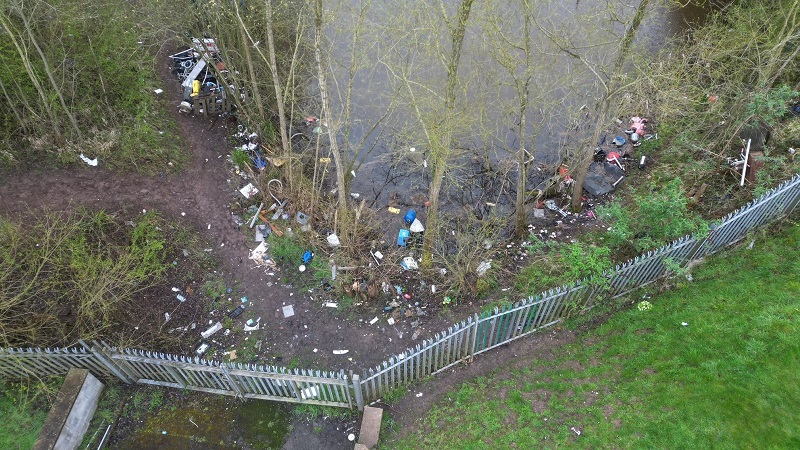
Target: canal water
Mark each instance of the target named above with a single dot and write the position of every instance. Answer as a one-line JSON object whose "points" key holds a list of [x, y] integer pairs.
{"points": [[388, 60]]}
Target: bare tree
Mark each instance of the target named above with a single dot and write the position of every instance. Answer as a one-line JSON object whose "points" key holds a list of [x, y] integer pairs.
{"points": [[331, 122]]}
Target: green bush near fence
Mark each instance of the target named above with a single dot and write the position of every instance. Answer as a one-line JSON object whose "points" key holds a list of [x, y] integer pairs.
{"points": [[713, 364]]}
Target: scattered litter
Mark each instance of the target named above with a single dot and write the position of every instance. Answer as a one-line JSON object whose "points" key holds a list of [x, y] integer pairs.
{"points": [[373, 321], [483, 267], [377, 256], [252, 327], [259, 255], [302, 218], [576, 431], [333, 240], [351, 437], [202, 349], [412, 149], [236, 312], [214, 328], [390, 320], [249, 190], [91, 162], [355, 195], [394, 210], [256, 215], [551, 205], [262, 231], [409, 263], [410, 216], [418, 394], [181, 298], [302, 268], [402, 237], [158, 91], [340, 352], [416, 226], [331, 305], [684, 324], [288, 311], [174, 289], [167, 317]]}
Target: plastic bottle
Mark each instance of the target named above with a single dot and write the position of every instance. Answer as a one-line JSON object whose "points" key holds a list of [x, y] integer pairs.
{"points": [[410, 216]]}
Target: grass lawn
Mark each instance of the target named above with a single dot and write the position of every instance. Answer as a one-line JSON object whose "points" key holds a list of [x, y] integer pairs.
{"points": [[23, 409], [714, 363]]}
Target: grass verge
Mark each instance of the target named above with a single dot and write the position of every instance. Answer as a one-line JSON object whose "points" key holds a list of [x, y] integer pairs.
{"points": [[714, 363], [23, 407]]}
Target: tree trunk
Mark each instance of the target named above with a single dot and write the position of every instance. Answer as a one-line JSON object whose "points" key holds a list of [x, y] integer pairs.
{"points": [[602, 116], [441, 152], [251, 70], [273, 67], [326, 118], [520, 226]]}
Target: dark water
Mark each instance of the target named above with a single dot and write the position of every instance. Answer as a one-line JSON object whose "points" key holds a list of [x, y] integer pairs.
{"points": [[398, 60]]}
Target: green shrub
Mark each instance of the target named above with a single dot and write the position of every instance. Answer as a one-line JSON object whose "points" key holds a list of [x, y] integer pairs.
{"points": [[652, 218]]}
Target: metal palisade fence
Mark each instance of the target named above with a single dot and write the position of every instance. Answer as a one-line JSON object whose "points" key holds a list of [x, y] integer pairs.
{"points": [[459, 343]]}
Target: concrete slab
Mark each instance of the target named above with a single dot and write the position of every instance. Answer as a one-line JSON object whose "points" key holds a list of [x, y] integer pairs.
{"points": [[71, 413], [370, 427]]}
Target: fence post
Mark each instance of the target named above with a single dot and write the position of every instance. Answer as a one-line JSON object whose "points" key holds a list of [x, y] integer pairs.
{"points": [[231, 381], [471, 355], [357, 390], [106, 361], [793, 204]]}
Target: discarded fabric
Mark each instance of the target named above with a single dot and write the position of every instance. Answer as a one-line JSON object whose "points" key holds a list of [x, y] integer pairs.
{"points": [[91, 162]]}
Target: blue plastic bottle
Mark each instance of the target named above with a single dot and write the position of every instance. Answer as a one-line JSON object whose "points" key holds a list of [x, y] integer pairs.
{"points": [[410, 216]]}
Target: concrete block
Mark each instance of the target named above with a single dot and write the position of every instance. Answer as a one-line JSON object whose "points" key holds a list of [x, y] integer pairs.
{"points": [[370, 427], [71, 413]]}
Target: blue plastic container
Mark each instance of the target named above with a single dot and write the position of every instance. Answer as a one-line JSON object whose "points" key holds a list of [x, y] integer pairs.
{"points": [[402, 237], [410, 216], [308, 256]]}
